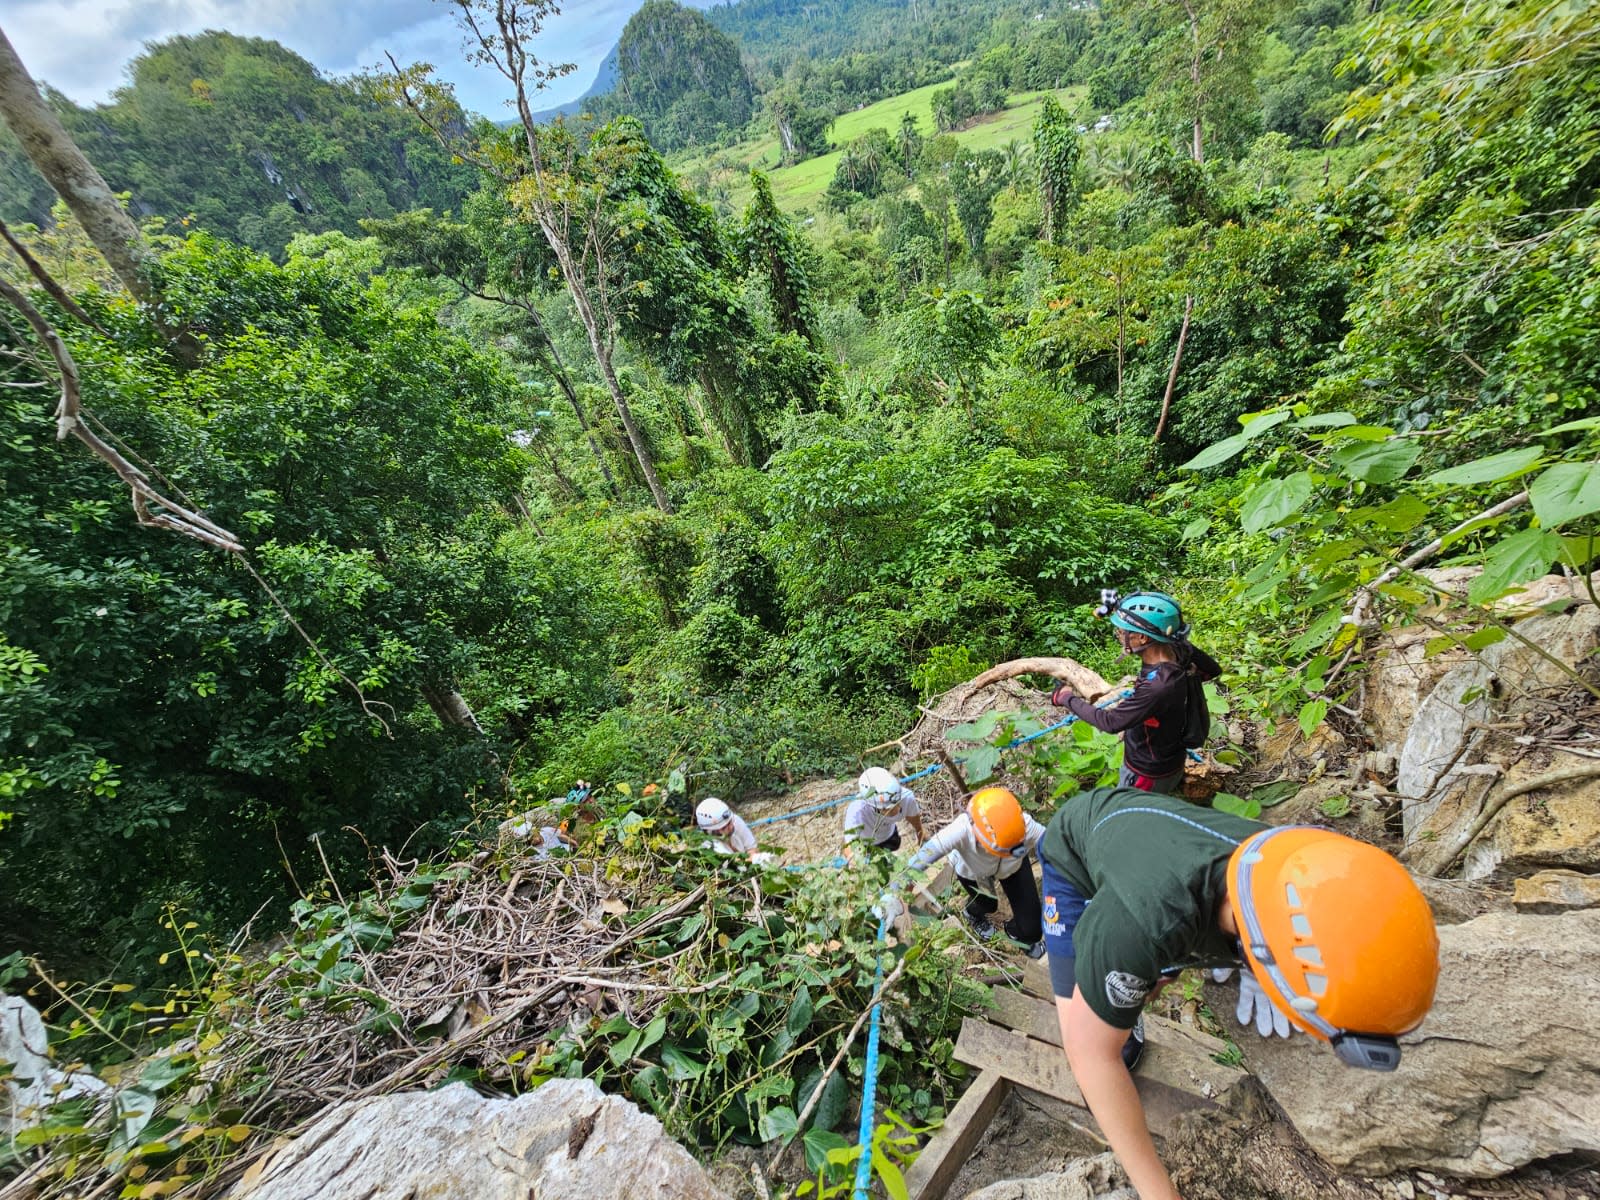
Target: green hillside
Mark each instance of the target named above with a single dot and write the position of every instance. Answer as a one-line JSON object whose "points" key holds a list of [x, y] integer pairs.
{"points": [[802, 185]]}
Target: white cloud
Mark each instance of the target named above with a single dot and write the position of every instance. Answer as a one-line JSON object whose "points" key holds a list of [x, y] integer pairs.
{"points": [[83, 47]]}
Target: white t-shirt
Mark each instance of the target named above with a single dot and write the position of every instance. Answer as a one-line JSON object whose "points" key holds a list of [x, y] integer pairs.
{"points": [[865, 821], [738, 840], [972, 861]]}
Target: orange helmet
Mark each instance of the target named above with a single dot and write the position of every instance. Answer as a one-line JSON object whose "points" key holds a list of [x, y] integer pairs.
{"points": [[1339, 937], [997, 822]]}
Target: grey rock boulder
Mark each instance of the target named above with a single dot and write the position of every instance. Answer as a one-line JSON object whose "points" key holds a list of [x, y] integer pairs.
{"points": [[1504, 1071], [566, 1140], [1097, 1178]]}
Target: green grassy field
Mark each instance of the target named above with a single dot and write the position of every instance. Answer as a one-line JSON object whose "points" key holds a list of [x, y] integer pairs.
{"points": [[802, 186]]}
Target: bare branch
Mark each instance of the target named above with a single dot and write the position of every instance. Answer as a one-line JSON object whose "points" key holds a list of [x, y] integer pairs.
{"points": [[46, 280]]}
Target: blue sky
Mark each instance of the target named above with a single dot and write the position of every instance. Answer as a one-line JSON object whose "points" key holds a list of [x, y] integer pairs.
{"points": [[82, 47]]}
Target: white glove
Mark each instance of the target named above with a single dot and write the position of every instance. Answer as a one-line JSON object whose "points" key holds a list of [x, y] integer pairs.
{"points": [[889, 908], [1255, 1008]]}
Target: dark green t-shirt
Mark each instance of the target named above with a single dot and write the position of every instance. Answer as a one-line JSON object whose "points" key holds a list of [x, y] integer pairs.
{"points": [[1154, 870]]}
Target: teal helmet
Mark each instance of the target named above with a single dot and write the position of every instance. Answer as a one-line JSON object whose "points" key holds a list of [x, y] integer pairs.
{"points": [[1154, 614]]}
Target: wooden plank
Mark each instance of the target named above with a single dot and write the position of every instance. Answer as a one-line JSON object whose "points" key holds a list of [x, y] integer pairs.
{"points": [[1021, 1059], [1177, 1074], [942, 1158], [1036, 979]]}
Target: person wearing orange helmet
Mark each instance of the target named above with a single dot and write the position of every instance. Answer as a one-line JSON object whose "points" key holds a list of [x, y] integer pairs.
{"points": [[1137, 886], [990, 844]]}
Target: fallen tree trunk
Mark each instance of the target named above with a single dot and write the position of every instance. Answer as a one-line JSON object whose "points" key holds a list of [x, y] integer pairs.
{"points": [[1082, 680]]}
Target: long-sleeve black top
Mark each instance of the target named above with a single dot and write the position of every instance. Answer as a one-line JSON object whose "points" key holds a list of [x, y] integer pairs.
{"points": [[1151, 720]]}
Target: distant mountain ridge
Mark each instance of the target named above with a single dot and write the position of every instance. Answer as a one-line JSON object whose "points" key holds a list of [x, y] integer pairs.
{"points": [[605, 79]]}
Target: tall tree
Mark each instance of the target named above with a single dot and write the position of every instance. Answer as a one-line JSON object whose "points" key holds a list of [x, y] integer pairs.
{"points": [[547, 186], [1056, 148], [774, 254], [73, 176]]}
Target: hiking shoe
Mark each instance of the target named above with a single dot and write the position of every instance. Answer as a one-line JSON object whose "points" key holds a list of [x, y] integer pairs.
{"points": [[1037, 949], [1133, 1048], [979, 925]]}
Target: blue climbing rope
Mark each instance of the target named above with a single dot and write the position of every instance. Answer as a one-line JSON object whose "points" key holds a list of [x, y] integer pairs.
{"points": [[869, 1073]]}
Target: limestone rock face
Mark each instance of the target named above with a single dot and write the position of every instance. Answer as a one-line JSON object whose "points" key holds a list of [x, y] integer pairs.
{"points": [[1556, 891], [564, 1141], [1097, 1178], [33, 1081], [1504, 1071]]}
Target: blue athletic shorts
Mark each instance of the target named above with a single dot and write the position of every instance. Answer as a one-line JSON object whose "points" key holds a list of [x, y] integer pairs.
{"points": [[1063, 906]]}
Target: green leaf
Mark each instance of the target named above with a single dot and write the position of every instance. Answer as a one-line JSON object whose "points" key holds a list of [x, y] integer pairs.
{"points": [[1566, 492], [680, 1066], [162, 1072], [622, 1051], [779, 1122], [1196, 528], [894, 1183], [1359, 433], [652, 1034], [1217, 453], [1257, 423], [1271, 502], [1333, 420], [1335, 807], [1520, 558], [980, 764], [1237, 805], [976, 731], [1401, 515], [1311, 714], [1496, 467], [1579, 552], [1275, 793], [800, 1012], [1377, 462], [819, 1143], [1573, 426]]}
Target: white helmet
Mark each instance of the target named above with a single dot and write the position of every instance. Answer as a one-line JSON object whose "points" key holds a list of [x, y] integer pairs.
{"points": [[881, 786], [712, 814]]}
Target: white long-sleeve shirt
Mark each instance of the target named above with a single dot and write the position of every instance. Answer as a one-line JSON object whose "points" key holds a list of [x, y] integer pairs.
{"points": [[738, 840], [972, 861], [873, 825]]}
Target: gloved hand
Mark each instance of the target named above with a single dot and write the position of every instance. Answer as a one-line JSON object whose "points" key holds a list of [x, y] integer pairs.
{"points": [[1254, 1006], [1061, 695], [889, 908]]}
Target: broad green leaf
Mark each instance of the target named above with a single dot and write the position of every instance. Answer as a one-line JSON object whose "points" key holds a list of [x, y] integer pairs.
{"points": [[818, 1144], [1520, 558], [1196, 528], [1377, 462], [1257, 423], [622, 1051], [894, 1183], [1579, 552], [1311, 714], [1480, 640], [1270, 503], [1566, 492], [1506, 465], [1573, 426], [779, 1122], [1237, 805], [1401, 515], [162, 1072], [1275, 793], [800, 1011], [680, 1066], [652, 1034], [1358, 433], [1217, 453], [979, 764], [976, 731], [1319, 632], [1333, 420]]}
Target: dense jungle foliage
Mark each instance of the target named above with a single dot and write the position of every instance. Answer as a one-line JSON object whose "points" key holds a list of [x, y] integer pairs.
{"points": [[246, 140], [578, 473]]}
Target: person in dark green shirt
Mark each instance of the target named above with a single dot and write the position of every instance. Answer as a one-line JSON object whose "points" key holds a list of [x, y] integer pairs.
{"points": [[1138, 886]]}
